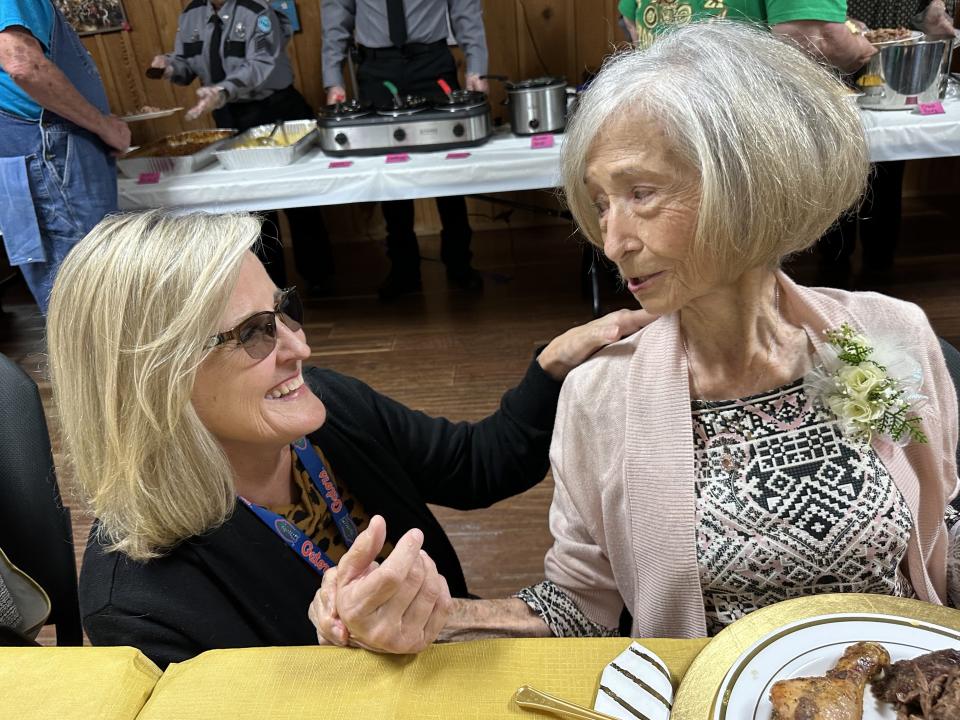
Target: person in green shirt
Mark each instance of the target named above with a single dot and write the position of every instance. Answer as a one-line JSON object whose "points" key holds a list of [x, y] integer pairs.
{"points": [[817, 25]]}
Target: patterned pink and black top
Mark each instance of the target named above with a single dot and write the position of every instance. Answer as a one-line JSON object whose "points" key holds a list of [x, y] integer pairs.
{"points": [[787, 506]]}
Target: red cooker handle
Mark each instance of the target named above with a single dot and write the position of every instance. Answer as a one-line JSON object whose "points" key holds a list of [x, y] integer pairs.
{"points": [[444, 86]]}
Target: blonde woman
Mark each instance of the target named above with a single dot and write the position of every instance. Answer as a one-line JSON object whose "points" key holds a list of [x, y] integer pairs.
{"points": [[226, 475], [726, 456]]}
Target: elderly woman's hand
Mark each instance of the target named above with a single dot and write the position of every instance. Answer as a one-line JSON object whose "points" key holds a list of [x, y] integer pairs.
{"points": [[567, 351], [397, 607]]}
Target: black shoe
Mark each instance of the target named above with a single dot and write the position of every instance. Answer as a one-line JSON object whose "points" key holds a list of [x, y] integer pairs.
{"points": [[876, 278], [399, 283], [319, 290], [320, 287], [465, 279], [835, 275]]}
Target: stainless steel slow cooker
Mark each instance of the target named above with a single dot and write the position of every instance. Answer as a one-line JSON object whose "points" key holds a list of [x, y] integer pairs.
{"points": [[538, 105]]}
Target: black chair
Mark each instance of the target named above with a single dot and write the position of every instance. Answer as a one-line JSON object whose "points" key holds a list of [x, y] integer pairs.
{"points": [[35, 529]]}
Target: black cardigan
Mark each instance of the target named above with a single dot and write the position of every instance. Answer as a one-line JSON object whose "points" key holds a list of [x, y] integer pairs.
{"points": [[240, 586]]}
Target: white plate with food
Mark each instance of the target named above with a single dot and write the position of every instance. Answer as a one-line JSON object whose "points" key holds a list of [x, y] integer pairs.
{"points": [[882, 37], [150, 113], [835, 662]]}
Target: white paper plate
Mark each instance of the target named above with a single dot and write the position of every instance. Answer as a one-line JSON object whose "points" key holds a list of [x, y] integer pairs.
{"points": [[915, 36], [813, 646], [151, 115]]}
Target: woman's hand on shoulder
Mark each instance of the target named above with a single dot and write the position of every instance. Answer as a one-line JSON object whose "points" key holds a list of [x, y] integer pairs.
{"points": [[567, 351], [397, 607]]}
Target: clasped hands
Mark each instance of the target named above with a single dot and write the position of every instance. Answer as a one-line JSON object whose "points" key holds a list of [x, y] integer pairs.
{"points": [[399, 606]]}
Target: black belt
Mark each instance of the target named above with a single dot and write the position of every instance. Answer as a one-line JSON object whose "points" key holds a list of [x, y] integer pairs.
{"points": [[51, 118], [407, 50]]}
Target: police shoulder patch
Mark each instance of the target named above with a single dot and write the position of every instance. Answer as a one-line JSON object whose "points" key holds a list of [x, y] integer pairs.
{"points": [[263, 24]]}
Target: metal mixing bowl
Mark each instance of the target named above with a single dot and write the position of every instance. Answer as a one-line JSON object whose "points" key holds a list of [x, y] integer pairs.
{"points": [[899, 77]]}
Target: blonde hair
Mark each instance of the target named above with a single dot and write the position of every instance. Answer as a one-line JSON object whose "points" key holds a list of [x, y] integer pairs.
{"points": [[130, 314], [777, 147]]}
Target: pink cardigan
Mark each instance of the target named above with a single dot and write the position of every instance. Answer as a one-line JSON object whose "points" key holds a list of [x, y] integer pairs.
{"points": [[623, 461]]}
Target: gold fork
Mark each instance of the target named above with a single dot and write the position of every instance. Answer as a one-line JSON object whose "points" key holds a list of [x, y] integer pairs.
{"points": [[533, 699]]}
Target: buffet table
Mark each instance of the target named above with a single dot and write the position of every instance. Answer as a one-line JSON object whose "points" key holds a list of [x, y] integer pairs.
{"points": [[505, 163]]}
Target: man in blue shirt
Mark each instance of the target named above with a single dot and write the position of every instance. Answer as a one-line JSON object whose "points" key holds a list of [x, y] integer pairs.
{"points": [[57, 139]]}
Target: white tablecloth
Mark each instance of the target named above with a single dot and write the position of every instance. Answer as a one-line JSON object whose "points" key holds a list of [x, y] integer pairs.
{"points": [[503, 164], [907, 135]]}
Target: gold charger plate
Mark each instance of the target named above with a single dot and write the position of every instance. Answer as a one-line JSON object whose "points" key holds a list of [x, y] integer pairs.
{"points": [[700, 686]]}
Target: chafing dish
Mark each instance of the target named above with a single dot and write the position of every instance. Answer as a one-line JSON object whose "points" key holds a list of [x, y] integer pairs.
{"points": [[287, 145], [178, 154]]}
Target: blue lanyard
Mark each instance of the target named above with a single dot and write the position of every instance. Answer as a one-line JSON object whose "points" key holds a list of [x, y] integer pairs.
{"points": [[293, 536]]}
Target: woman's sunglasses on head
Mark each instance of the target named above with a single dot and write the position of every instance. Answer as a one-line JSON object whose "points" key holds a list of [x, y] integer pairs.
{"points": [[257, 335]]}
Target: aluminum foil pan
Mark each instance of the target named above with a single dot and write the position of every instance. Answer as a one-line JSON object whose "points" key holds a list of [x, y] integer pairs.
{"points": [[243, 153], [164, 155]]}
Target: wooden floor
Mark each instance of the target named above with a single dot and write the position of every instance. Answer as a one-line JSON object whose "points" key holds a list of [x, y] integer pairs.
{"points": [[453, 354]]}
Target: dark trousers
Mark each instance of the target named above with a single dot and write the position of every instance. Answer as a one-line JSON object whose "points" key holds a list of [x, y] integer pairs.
{"points": [[311, 242], [416, 73], [878, 220]]}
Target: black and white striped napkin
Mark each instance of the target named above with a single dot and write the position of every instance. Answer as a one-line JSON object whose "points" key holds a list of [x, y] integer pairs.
{"points": [[635, 686]]}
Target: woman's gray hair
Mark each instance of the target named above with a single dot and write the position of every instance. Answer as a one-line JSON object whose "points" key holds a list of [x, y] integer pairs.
{"points": [[773, 139], [132, 311]]}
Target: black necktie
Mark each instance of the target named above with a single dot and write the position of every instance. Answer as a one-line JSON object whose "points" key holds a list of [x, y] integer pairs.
{"points": [[397, 22], [217, 73]]}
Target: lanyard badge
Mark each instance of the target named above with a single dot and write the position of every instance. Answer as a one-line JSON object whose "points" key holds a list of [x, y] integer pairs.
{"points": [[324, 485], [294, 537]]}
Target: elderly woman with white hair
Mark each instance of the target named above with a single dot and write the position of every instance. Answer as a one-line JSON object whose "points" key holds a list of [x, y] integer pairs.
{"points": [[226, 474], [760, 440]]}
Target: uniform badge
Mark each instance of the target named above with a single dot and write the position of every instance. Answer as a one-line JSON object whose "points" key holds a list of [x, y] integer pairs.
{"points": [[263, 24], [240, 31]]}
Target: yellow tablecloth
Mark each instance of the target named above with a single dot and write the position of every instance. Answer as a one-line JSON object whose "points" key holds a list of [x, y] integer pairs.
{"points": [[461, 681], [81, 683]]}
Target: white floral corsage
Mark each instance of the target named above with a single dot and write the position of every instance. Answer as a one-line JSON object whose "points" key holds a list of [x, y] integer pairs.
{"points": [[871, 389]]}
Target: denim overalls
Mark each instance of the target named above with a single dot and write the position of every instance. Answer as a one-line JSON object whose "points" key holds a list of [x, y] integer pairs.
{"points": [[57, 180]]}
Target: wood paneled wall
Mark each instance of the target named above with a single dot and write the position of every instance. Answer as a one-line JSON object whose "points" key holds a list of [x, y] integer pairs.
{"points": [[526, 38]]}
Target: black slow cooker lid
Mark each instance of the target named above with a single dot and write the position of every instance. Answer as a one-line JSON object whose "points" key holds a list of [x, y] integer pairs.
{"points": [[345, 110], [535, 83], [461, 100]]}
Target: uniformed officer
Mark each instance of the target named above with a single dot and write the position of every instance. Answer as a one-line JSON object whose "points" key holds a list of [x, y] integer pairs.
{"points": [[237, 48], [405, 42]]}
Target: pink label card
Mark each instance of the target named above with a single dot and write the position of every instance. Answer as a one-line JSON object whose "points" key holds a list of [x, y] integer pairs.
{"points": [[148, 178], [538, 142], [340, 164], [931, 108], [458, 155], [398, 158]]}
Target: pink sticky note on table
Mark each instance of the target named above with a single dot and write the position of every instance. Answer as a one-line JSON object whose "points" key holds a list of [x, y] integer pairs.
{"points": [[931, 108], [148, 178], [340, 164], [457, 155], [398, 157], [541, 141]]}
